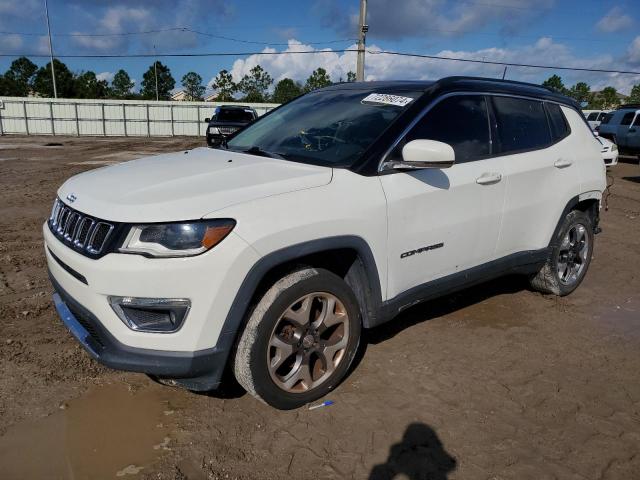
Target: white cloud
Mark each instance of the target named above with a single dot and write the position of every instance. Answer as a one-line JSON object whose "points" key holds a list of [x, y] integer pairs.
{"points": [[108, 76], [614, 21], [382, 67], [634, 51]]}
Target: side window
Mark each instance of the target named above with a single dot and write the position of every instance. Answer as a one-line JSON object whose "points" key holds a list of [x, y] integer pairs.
{"points": [[461, 121], [593, 116], [522, 124], [557, 122], [607, 118], [628, 117]]}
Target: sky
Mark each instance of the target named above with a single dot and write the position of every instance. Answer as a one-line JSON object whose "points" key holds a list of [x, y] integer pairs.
{"points": [[598, 34]]}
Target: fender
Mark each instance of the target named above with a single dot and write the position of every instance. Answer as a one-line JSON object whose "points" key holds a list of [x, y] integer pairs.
{"points": [[571, 204], [238, 309]]}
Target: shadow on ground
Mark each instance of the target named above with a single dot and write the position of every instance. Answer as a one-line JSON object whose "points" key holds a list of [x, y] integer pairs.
{"points": [[420, 455], [445, 305]]}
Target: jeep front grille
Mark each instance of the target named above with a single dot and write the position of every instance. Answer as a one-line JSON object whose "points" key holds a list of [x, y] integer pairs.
{"points": [[85, 234]]}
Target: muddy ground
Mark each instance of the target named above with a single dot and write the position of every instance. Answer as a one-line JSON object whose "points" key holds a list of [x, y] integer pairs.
{"points": [[496, 382]]}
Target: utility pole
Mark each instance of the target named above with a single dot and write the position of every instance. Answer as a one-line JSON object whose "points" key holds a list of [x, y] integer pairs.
{"points": [[155, 70], [362, 40], [53, 70]]}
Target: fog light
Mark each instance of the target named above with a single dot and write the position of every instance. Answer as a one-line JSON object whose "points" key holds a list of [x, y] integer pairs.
{"points": [[160, 315]]}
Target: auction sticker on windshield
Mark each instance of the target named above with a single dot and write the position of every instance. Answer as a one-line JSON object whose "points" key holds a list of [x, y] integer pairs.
{"points": [[386, 99]]}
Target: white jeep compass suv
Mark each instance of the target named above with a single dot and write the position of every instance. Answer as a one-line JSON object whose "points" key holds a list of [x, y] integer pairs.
{"points": [[332, 213]]}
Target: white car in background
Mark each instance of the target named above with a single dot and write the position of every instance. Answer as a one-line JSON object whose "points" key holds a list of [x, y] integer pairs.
{"points": [[609, 151], [594, 117]]}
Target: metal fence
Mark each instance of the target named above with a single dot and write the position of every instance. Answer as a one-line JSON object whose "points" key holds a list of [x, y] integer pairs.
{"points": [[127, 118]]}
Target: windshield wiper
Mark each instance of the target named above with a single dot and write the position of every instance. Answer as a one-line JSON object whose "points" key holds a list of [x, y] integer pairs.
{"points": [[255, 150]]}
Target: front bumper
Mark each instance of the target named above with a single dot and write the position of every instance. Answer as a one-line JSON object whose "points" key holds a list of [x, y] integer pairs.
{"points": [[200, 370], [198, 349]]}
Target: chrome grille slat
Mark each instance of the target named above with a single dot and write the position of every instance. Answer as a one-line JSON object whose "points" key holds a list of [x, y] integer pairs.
{"points": [[85, 234]]}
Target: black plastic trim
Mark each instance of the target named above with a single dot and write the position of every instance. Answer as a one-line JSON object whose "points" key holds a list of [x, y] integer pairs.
{"points": [[201, 370], [522, 263], [68, 269]]}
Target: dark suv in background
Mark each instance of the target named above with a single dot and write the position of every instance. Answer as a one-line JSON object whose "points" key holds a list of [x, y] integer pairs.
{"points": [[226, 120]]}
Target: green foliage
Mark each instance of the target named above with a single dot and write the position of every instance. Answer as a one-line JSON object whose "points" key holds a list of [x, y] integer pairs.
{"points": [[87, 85], [193, 88], [286, 89], [554, 82], [351, 76], [609, 98], [225, 86], [121, 85], [65, 81], [580, 92], [255, 85], [319, 78], [166, 82], [18, 79], [634, 97]]}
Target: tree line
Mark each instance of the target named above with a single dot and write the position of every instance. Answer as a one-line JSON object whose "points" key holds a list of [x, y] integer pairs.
{"points": [[25, 78], [606, 99]]}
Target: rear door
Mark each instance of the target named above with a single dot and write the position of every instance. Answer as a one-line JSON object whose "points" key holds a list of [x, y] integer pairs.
{"points": [[622, 135], [540, 170], [445, 220]]}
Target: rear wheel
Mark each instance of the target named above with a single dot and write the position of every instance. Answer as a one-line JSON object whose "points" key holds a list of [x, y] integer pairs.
{"points": [[300, 339], [570, 258]]}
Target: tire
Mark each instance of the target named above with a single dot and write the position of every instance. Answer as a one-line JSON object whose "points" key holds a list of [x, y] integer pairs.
{"points": [[286, 362], [572, 247]]}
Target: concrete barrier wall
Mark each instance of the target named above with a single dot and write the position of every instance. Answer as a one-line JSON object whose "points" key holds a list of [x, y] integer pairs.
{"points": [[127, 118]]}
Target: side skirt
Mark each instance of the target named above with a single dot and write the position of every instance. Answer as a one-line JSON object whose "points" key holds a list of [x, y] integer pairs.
{"points": [[527, 262]]}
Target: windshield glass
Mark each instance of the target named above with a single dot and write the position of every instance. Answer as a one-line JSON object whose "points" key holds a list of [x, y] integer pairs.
{"points": [[330, 128], [593, 116], [234, 115]]}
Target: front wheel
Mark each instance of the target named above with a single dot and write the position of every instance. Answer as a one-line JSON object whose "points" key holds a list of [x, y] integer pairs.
{"points": [[300, 339], [570, 257]]}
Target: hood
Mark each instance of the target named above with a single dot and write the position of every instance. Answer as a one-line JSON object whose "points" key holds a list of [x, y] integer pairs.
{"points": [[185, 185]]}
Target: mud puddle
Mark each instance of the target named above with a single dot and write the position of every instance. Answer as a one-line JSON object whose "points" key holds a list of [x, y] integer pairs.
{"points": [[110, 432]]}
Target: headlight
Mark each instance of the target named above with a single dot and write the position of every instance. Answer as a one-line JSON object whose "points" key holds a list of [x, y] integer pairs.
{"points": [[176, 239], [214, 131], [614, 148]]}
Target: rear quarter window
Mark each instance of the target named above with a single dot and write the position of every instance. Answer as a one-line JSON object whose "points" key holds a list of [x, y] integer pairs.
{"points": [[557, 122], [522, 124]]}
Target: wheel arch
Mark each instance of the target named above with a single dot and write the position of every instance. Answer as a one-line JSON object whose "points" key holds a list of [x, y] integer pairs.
{"points": [[588, 202], [348, 256]]}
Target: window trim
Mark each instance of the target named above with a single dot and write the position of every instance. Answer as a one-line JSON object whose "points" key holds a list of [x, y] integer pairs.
{"points": [[492, 131]]}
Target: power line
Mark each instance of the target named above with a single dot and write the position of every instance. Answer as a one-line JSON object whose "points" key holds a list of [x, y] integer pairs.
{"points": [[342, 50], [173, 29], [508, 64]]}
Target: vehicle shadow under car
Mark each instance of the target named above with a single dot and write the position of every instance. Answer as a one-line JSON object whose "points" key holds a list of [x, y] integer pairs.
{"points": [[429, 310]]}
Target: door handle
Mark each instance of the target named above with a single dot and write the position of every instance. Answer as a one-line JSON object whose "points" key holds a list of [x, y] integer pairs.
{"points": [[488, 178], [562, 163]]}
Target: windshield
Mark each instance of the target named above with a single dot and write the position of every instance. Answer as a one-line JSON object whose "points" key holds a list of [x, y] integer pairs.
{"points": [[234, 115], [593, 116], [331, 127]]}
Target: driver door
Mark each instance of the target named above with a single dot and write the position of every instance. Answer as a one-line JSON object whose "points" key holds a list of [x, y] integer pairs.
{"points": [[443, 221]]}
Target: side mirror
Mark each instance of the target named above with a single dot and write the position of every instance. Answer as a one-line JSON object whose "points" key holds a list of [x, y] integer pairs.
{"points": [[207, 119], [419, 154]]}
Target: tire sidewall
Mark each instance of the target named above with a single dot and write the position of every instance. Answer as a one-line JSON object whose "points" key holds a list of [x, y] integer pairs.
{"points": [[573, 218], [323, 281]]}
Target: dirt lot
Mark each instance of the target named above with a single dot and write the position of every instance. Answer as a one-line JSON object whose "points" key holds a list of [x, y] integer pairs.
{"points": [[496, 382]]}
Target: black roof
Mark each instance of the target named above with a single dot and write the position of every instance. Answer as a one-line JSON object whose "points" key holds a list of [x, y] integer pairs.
{"points": [[235, 107], [468, 84]]}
